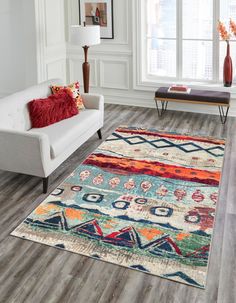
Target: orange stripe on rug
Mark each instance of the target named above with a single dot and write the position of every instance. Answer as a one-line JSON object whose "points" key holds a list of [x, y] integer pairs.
{"points": [[130, 166]]}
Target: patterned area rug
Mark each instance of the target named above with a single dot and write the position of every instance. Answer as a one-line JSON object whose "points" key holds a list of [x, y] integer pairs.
{"points": [[144, 199]]}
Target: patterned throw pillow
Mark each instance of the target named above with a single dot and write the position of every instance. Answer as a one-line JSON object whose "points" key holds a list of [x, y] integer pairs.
{"points": [[72, 89]]}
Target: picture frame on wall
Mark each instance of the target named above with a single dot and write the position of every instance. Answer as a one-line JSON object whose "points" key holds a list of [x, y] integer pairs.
{"points": [[98, 12]]}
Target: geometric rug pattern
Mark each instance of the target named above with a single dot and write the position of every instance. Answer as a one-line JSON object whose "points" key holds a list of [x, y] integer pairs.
{"points": [[144, 199]]}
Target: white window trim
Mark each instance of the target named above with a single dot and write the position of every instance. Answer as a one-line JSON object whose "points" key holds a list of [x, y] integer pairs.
{"points": [[152, 83]]}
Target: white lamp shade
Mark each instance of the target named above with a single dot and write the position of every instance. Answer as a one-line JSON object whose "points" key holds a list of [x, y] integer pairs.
{"points": [[85, 35]]}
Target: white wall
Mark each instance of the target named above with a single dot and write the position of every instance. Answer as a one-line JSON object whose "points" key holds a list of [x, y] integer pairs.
{"points": [[51, 44], [113, 62], [33, 47], [17, 47]]}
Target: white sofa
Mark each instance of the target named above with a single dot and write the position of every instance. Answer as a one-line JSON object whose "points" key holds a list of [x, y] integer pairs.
{"points": [[40, 151]]}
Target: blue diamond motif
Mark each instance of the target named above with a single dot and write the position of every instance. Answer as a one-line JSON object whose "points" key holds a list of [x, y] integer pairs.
{"points": [[190, 147]]}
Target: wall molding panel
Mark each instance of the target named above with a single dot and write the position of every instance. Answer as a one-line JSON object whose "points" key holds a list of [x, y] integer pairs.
{"points": [[75, 71], [114, 73], [57, 69], [55, 52], [54, 22], [50, 39]]}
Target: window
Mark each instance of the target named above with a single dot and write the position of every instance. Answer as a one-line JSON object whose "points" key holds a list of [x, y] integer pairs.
{"points": [[181, 40]]}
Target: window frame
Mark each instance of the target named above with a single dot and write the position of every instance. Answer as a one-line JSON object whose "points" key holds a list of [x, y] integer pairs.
{"points": [[143, 81]]}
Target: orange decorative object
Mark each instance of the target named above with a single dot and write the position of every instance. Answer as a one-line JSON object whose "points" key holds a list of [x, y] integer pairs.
{"points": [[224, 34], [232, 25]]}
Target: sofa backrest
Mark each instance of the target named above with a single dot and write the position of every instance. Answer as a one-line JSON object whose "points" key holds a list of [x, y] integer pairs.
{"points": [[14, 112]]}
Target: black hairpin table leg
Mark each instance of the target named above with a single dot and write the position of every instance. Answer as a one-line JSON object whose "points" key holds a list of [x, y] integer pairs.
{"points": [[163, 108], [223, 114]]}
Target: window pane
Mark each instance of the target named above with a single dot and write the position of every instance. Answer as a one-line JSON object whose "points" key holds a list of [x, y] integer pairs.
{"points": [[222, 57], [162, 57], [227, 10], [197, 60], [161, 18], [197, 19]]}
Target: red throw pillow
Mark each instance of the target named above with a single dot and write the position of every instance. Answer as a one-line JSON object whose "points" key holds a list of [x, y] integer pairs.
{"points": [[55, 108]]}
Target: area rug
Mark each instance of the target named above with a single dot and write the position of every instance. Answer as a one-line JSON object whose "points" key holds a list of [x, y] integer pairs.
{"points": [[144, 199]]}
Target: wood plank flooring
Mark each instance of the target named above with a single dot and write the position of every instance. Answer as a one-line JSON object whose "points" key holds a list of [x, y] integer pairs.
{"points": [[31, 272]]}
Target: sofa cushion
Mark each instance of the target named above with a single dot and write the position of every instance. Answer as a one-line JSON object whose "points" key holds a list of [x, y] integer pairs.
{"points": [[72, 89], [64, 133]]}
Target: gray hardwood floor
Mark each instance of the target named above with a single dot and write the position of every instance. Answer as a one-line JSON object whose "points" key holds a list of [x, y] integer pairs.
{"points": [[31, 272]]}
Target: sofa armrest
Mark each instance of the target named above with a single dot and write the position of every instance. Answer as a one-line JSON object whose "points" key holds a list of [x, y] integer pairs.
{"points": [[93, 101], [24, 152]]}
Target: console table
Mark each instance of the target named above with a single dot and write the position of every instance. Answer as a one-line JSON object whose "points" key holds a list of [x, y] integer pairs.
{"points": [[207, 97]]}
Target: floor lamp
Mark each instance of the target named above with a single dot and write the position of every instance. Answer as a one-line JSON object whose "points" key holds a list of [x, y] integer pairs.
{"points": [[85, 36]]}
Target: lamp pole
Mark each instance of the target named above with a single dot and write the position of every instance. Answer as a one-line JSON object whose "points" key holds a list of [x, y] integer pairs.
{"points": [[86, 68]]}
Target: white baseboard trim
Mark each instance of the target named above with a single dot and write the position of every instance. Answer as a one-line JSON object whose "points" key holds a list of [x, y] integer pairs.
{"points": [[141, 101]]}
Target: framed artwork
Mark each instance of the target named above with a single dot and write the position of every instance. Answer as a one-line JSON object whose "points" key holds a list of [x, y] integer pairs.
{"points": [[98, 12]]}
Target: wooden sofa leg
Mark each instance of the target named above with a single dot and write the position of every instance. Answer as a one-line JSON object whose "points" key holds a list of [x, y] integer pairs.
{"points": [[45, 185], [99, 134]]}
